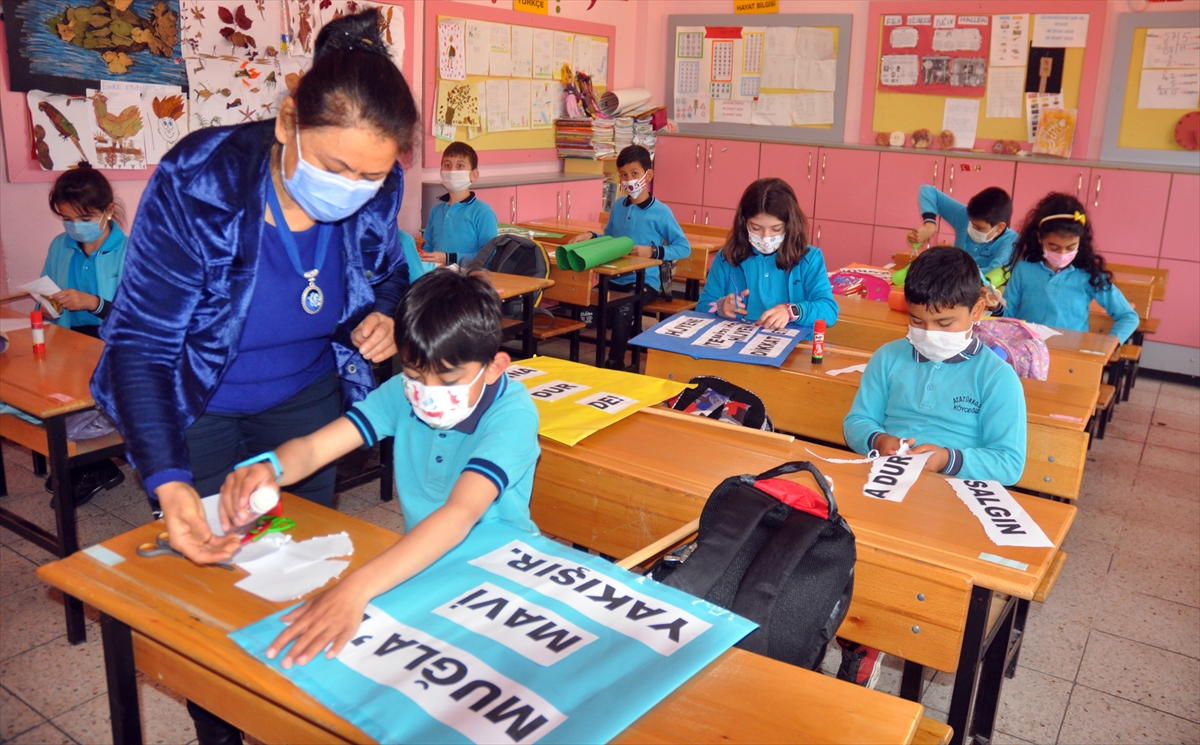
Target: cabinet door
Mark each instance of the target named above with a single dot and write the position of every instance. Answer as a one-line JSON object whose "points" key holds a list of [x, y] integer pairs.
{"points": [[966, 177], [679, 169], [1035, 180], [731, 167], [718, 217], [901, 175], [847, 185], [502, 199], [686, 213], [1180, 312], [538, 202], [583, 200], [843, 243], [1127, 209], [887, 242], [795, 164], [1180, 236]]}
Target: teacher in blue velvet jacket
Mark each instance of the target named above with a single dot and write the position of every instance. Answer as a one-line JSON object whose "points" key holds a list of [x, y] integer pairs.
{"points": [[262, 272]]}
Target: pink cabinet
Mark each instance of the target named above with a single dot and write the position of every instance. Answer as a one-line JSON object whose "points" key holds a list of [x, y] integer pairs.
{"points": [[1181, 235], [718, 217], [582, 200], [842, 243], [547, 201], [795, 164], [538, 202], [679, 169], [901, 175], [731, 167], [1036, 180], [966, 177], [846, 186], [1180, 312], [1127, 210], [686, 213], [887, 242], [502, 199]]}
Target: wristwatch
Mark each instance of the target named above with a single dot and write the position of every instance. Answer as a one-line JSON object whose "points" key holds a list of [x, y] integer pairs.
{"points": [[793, 312]]}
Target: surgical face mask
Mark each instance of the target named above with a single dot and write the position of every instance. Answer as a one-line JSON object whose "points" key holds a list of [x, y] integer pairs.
{"points": [[938, 345], [1059, 261], [85, 231], [978, 235], [441, 406], [765, 245], [635, 188], [325, 196], [456, 181]]}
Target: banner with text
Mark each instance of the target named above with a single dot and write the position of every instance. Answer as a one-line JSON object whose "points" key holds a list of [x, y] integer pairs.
{"points": [[704, 336]]}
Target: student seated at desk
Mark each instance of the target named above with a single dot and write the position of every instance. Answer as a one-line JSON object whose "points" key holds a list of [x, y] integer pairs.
{"points": [[941, 391], [466, 447], [767, 272], [655, 233], [460, 223], [1056, 272], [981, 227]]}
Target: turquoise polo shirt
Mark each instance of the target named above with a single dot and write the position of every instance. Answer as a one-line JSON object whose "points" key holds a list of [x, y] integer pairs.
{"points": [[996, 252], [498, 441], [650, 223], [1038, 294], [459, 230]]}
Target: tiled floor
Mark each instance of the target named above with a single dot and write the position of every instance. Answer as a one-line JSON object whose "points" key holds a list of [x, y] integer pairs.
{"points": [[1113, 656]]}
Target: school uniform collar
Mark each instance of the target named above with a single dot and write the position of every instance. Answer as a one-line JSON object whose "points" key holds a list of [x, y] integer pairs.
{"points": [[972, 349], [486, 399], [446, 198], [644, 205]]}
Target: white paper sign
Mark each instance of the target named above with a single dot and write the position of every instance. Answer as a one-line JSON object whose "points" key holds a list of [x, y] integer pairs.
{"points": [[1004, 520], [962, 118], [555, 390], [1169, 89], [1172, 47], [1006, 92], [684, 327], [522, 372], [765, 345], [773, 110], [1010, 41], [893, 475], [609, 403], [726, 333], [1060, 30], [904, 37], [733, 112]]}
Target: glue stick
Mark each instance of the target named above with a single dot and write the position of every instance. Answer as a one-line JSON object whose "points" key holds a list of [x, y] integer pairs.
{"points": [[38, 332], [263, 500], [818, 354]]}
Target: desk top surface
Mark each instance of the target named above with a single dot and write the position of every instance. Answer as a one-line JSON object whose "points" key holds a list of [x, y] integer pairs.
{"points": [[515, 285], [192, 609], [572, 225], [52, 383], [625, 265]]}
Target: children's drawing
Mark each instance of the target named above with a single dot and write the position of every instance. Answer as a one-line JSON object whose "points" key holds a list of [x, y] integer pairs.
{"points": [[452, 63], [66, 47], [61, 120], [167, 122], [117, 130], [458, 105]]}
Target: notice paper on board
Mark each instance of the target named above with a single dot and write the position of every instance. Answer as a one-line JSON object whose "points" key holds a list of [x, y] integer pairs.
{"points": [[1004, 520]]}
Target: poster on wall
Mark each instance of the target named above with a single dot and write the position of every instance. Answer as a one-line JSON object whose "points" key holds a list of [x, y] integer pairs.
{"points": [[941, 55], [69, 47]]}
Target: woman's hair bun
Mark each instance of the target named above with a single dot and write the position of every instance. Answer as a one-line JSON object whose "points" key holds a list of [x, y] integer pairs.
{"points": [[358, 33]]}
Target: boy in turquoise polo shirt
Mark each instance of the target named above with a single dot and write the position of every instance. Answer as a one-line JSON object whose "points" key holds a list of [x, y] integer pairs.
{"points": [[466, 448], [981, 226], [460, 223]]}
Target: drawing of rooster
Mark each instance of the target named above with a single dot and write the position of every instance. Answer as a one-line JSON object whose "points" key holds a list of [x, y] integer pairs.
{"points": [[65, 128], [120, 127]]}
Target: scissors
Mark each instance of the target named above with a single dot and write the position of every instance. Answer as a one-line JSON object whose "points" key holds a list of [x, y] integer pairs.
{"points": [[266, 524], [162, 547]]}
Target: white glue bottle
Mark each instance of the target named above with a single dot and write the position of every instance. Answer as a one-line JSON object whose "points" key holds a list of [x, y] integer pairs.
{"points": [[262, 500]]}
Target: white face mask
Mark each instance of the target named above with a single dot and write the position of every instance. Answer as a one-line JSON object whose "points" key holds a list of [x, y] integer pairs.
{"points": [[441, 406], [978, 235], [765, 245], [635, 188], [938, 345], [456, 181]]}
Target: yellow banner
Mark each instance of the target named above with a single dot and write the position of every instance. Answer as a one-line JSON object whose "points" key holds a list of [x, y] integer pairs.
{"points": [[532, 6], [575, 400], [749, 6]]}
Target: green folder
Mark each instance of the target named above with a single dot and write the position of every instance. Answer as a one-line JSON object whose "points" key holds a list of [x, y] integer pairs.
{"points": [[579, 257]]}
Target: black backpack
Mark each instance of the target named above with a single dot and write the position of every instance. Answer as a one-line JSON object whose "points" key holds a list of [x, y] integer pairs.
{"points": [[754, 416], [513, 254], [777, 553]]}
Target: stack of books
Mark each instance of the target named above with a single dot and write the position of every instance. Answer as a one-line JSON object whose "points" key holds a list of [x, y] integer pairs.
{"points": [[591, 139], [643, 132]]}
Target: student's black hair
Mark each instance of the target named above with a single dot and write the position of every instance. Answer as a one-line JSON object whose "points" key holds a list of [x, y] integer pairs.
{"points": [[462, 150], [993, 205], [635, 154], [943, 277], [775, 197], [1073, 221], [353, 82], [86, 190], [446, 320]]}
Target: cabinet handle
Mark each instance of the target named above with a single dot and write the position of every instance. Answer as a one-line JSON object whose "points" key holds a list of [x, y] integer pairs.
{"points": [[705, 218], [1097, 202], [1079, 186], [818, 242], [697, 156], [568, 205], [512, 208], [710, 149], [823, 167], [810, 165], [693, 217], [558, 211], [951, 190], [935, 165]]}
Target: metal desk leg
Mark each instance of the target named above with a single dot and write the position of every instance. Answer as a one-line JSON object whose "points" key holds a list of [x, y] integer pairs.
{"points": [[1022, 614], [527, 325], [968, 664], [121, 672], [39, 464], [601, 320], [910, 683], [64, 516], [3, 477], [387, 468], [991, 676], [639, 287]]}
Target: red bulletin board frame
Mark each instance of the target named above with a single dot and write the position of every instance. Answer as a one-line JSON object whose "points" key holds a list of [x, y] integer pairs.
{"points": [[435, 8], [23, 166], [1095, 9]]}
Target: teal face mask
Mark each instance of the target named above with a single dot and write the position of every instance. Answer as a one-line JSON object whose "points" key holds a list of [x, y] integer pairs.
{"points": [[85, 231]]}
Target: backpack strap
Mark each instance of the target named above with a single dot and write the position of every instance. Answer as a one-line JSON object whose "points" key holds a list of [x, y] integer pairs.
{"points": [[803, 465], [728, 529], [772, 567]]}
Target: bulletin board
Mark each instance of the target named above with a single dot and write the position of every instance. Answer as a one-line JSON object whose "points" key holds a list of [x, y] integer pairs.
{"points": [[1134, 132], [977, 43], [521, 145], [778, 76]]}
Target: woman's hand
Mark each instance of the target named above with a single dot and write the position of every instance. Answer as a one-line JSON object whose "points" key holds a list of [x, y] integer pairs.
{"points": [[187, 529], [775, 318], [331, 618], [433, 257], [374, 337], [236, 491], [732, 306], [76, 300]]}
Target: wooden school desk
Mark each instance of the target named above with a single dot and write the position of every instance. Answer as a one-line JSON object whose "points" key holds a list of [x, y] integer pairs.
{"points": [[803, 399], [51, 387], [926, 575], [515, 285], [1076, 357], [170, 619]]}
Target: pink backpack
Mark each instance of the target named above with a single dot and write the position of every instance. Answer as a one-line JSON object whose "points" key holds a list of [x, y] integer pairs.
{"points": [[1021, 346], [852, 282]]}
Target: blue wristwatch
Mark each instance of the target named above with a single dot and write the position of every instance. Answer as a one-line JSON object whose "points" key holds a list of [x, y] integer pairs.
{"points": [[267, 456]]}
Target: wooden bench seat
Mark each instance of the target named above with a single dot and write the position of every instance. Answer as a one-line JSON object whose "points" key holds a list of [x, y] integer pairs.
{"points": [[663, 308], [1104, 408], [560, 326], [932, 732]]}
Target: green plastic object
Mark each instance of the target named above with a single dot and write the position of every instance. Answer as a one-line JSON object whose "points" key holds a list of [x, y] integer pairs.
{"points": [[899, 275], [998, 277], [579, 257]]}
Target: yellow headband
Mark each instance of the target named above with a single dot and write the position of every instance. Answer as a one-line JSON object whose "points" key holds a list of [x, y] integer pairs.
{"points": [[1078, 217]]}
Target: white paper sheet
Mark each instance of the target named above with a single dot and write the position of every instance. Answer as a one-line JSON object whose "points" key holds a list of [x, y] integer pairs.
{"points": [[904, 37], [684, 327], [818, 75], [844, 461], [812, 108], [1010, 41], [40, 290], [320, 548], [519, 104], [814, 43], [451, 36], [1006, 93], [543, 53], [1060, 30], [1172, 47], [600, 62], [957, 40], [899, 69], [893, 475], [753, 41], [844, 370], [725, 334], [781, 41], [733, 112], [478, 47], [1169, 89], [779, 72], [545, 101], [1045, 332], [773, 110], [962, 118], [563, 45], [583, 54], [500, 51], [1004, 520], [522, 52], [278, 586], [497, 105]]}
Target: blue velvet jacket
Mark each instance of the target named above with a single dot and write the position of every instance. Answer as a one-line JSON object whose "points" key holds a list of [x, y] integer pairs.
{"points": [[189, 276]]}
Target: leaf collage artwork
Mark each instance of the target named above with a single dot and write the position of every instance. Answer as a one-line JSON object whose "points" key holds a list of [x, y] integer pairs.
{"points": [[115, 32], [58, 122]]}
